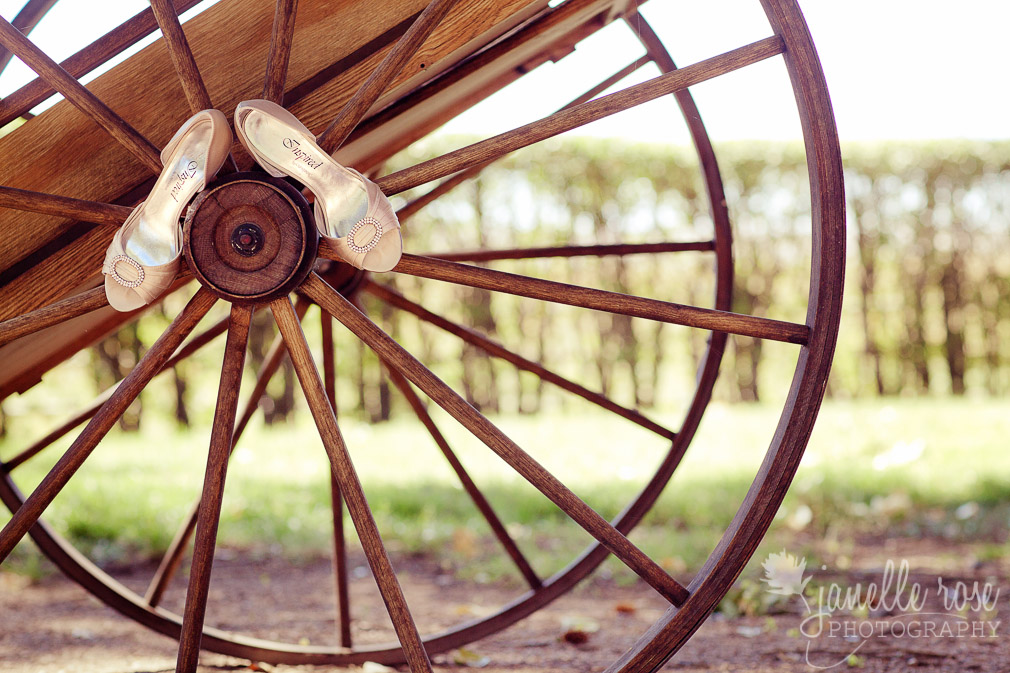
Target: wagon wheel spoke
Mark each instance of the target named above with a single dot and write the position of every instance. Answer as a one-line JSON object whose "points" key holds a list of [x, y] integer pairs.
{"points": [[25, 21], [347, 119], [454, 181], [603, 300], [213, 488], [187, 349], [478, 498], [79, 96], [474, 338], [63, 206], [57, 478], [184, 61], [53, 314], [603, 250], [482, 152], [181, 54], [172, 557], [110, 45], [350, 486], [336, 499], [392, 353], [280, 50]]}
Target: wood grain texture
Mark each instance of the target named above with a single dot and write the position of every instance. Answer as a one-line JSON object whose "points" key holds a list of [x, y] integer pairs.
{"points": [[520, 461], [454, 181], [113, 43], [79, 451], [232, 39], [63, 206], [476, 496], [340, 577], [79, 96], [477, 339], [485, 151], [388, 69], [283, 220], [810, 380], [213, 489], [54, 314], [172, 558], [601, 250], [350, 486], [600, 300], [182, 55], [280, 50]]}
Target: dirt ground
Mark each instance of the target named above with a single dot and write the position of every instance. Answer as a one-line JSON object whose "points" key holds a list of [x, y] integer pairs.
{"points": [[52, 625]]}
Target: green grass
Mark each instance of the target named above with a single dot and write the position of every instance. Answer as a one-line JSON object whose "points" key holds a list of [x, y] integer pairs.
{"points": [[927, 466]]}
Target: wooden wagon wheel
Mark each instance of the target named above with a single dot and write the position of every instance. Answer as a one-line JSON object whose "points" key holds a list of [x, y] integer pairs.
{"points": [[411, 88]]}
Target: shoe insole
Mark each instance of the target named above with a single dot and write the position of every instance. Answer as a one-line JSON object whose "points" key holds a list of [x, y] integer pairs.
{"points": [[155, 238], [340, 193]]}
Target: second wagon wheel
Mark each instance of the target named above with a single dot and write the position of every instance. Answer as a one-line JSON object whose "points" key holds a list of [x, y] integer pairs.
{"points": [[373, 78]]}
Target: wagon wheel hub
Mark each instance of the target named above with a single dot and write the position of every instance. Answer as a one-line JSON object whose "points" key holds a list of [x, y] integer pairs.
{"points": [[250, 238]]}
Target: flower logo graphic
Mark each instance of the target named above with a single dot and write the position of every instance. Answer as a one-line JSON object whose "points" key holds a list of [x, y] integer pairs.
{"points": [[784, 574]]}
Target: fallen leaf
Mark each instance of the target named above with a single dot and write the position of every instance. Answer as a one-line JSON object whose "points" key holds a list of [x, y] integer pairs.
{"points": [[749, 631], [625, 608], [469, 658], [575, 637]]}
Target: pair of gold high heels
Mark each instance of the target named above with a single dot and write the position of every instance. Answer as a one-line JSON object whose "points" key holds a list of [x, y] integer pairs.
{"points": [[350, 210]]}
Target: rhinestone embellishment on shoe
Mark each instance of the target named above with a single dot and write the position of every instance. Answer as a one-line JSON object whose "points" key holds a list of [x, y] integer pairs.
{"points": [[132, 262], [361, 249]]}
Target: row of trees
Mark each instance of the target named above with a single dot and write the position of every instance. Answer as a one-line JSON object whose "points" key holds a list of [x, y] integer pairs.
{"points": [[927, 306]]}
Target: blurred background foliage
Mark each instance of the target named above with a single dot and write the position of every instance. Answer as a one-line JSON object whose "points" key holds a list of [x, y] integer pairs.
{"points": [[927, 307], [926, 319]]}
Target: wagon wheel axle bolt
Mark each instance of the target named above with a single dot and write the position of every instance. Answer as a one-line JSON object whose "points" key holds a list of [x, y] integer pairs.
{"points": [[247, 239]]}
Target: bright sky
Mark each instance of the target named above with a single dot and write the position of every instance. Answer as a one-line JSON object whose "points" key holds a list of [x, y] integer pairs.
{"points": [[895, 68]]}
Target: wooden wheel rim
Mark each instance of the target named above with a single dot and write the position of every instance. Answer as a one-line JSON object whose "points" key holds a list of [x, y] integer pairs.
{"points": [[766, 493]]}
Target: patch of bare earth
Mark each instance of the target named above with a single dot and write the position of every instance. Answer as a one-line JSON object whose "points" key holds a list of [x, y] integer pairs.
{"points": [[53, 625]]}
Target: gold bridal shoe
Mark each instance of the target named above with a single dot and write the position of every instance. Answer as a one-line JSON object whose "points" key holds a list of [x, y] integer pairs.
{"points": [[143, 259], [351, 212]]}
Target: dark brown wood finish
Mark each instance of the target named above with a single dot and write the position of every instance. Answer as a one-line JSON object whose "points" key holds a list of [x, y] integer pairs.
{"points": [[281, 233], [477, 339], [340, 584], [350, 487], [452, 182], [659, 642], [79, 96], [187, 349], [182, 55], [18, 103], [520, 461], [485, 151], [280, 50], [601, 250], [26, 516], [762, 501], [63, 206], [336, 133], [213, 489], [54, 314], [172, 557], [600, 300], [479, 501]]}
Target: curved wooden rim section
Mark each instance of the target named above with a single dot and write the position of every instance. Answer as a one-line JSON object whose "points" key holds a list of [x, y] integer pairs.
{"points": [[762, 501]]}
